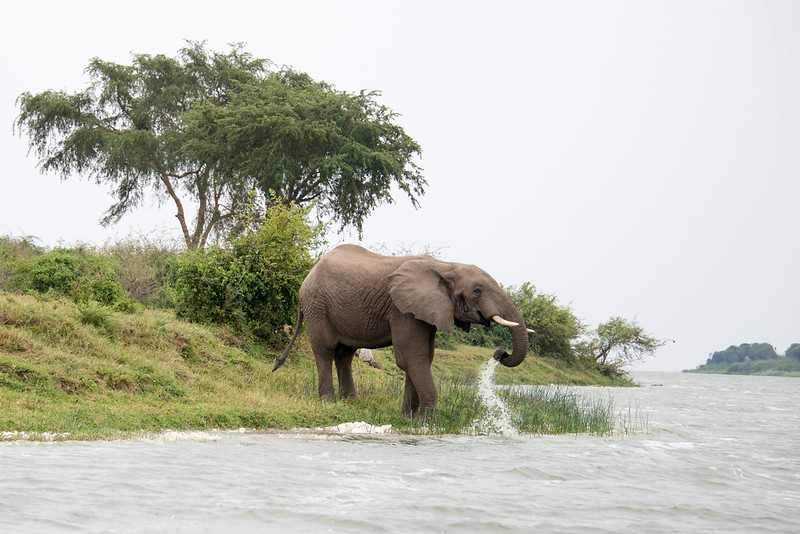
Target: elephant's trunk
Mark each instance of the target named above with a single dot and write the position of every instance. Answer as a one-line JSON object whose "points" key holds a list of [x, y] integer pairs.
{"points": [[519, 339]]}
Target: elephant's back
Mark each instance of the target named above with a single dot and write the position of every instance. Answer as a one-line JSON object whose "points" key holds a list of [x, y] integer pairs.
{"points": [[351, 265], [348, 291]]}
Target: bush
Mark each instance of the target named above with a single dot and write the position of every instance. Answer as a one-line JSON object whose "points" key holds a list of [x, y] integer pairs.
{"points": [[79, 274], [13, 249], [253, 284], [200, 279]]}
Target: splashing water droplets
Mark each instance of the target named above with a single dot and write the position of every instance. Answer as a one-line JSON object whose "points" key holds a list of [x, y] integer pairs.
{"points": [[498, 418]]}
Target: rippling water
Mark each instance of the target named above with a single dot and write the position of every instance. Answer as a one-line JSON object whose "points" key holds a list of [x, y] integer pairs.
{"points": [[721, 454]]}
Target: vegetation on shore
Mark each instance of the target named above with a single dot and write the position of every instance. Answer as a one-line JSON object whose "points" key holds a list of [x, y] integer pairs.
{"points": [[86, 371], [752, 359], [780, 366]]}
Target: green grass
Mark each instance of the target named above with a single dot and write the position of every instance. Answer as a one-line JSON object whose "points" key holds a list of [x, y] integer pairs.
{"points": [[555, 410], [90, 372]]}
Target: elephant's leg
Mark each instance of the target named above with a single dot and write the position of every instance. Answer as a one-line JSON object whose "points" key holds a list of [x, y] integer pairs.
{"points": [[425, 399], [410, 399], [416, 352], [323, 354], [344, 369]]}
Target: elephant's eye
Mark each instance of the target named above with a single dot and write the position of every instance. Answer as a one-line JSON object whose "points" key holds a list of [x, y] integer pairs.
{"points": [[476, 292]]}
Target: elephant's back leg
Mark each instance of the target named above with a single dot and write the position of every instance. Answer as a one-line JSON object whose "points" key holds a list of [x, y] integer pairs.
{"points": [[344, 370], [324, 352]]}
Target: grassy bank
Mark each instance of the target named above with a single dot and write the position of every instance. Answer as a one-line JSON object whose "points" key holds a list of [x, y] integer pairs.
{"points": [[91, 372]]}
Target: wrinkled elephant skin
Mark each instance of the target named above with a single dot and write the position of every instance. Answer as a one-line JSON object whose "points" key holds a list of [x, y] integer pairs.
{"points": [[354, 298]]}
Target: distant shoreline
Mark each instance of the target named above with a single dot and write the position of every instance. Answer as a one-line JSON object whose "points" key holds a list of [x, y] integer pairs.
{"points": [[781, 366]]}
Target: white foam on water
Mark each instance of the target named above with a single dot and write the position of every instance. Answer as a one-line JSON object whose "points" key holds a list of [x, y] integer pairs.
{"points": [[498, 418], [16, 435], [359, 427]]}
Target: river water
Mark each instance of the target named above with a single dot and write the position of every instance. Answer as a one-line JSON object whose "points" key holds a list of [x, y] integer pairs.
{"points": [[719, 454]]}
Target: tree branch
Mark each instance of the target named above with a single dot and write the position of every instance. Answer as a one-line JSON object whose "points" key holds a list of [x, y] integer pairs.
{"points": [[180, 215]]}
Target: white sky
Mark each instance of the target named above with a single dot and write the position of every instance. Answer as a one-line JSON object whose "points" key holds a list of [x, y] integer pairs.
{"points": [[639, 159]]}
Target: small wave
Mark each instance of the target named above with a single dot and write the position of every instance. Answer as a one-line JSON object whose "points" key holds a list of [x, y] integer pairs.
{"points": [[359, 427], [33, 436], [666, 445], [185, 435]]}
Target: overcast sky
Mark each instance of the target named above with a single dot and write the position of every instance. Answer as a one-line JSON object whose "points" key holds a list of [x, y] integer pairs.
{"points": [[636, 159]]}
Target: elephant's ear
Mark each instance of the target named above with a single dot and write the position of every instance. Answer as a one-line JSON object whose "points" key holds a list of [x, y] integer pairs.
{"points": [[419, 287]]}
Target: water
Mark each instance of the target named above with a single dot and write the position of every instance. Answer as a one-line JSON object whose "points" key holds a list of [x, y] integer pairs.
{"points": [[721, 455], [498, 418]]}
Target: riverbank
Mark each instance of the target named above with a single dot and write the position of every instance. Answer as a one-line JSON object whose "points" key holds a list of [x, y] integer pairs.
{"points": [[90, 372]]}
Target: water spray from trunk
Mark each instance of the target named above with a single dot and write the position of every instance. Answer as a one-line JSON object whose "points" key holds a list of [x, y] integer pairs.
{"points": [[498, 419]]}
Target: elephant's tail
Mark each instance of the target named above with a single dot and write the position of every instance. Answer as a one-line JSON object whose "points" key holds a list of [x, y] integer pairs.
{"points": [[285, 354]]}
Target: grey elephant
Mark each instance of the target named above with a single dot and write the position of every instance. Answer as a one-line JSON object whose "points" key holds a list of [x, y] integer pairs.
{"points": [[354, 298]]}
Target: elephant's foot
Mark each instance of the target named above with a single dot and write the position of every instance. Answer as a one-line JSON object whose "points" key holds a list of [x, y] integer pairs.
{"points": [[325, 392], [421, 414], [409, 408], [348, 395]]}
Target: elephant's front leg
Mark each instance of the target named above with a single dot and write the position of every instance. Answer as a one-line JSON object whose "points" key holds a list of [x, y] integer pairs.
{"points": [[410, 399], [413, 347]]}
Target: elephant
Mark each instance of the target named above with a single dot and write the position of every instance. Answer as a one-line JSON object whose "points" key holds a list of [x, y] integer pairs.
{"points": [[354, 298]]}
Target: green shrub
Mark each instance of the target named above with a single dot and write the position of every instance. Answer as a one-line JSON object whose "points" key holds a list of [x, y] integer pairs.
{"points": [[55, 272], [200, 280], [75, 273], [252, 284], [12, 250]]}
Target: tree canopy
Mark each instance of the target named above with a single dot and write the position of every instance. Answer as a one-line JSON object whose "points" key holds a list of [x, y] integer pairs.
{"points": [[745, 351], [306, 141], [206, 129], [618, 343], [555, 326]]}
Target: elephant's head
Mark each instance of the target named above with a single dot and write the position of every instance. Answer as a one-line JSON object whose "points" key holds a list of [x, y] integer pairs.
{"points": [[453, 294]]}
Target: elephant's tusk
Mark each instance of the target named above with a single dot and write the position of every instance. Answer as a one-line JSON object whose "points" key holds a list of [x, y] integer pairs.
{"points": [[504, 322], [530, 331]]}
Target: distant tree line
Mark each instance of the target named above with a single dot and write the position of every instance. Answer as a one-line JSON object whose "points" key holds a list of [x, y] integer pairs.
{"points": [[751, 352]]}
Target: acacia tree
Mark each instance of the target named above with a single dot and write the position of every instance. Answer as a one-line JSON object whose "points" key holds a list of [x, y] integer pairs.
{"points": [[127, 130], [306, 141], [205, 129], [618, 343]]}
